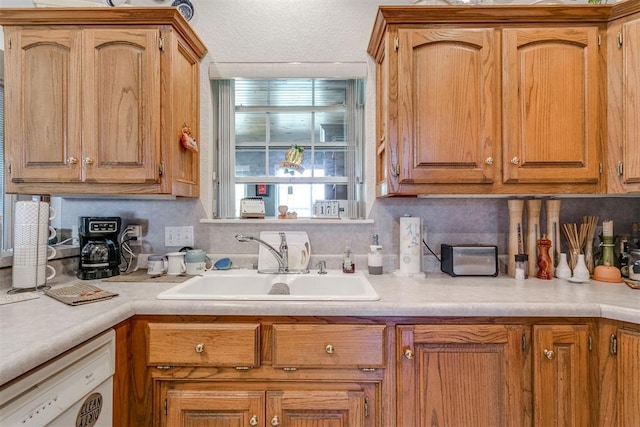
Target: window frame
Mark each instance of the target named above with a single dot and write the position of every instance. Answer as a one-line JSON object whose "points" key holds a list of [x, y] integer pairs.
{"points": [[225, 180]]}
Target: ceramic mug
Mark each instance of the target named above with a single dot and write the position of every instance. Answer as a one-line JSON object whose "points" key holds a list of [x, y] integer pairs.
{"points": [[175, 263], [196, 261], [157, 264]]}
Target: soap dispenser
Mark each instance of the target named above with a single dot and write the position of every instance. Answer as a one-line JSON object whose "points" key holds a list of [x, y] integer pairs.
{"points": [[348, 266], [374, 260]]}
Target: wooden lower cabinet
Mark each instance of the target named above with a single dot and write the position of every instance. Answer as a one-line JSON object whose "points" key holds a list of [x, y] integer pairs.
{"points": [[377, 372], [561, 375], [295, 372], [619, 381], [271, 404], [461, 375]]}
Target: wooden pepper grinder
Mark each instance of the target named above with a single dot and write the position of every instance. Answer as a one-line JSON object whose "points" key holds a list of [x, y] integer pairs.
{"points": [[544, 260]]}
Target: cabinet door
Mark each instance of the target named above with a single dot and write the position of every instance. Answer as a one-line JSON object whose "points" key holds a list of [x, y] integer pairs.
{"points": [[305, 408], [447, 105], [212, 408], [623, 149], [121, 99], [628, 396], [551, 111], [43, 105], [461, 375], [560, 375]]}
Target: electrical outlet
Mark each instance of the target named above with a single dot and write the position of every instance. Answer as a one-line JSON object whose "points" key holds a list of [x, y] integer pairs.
{"points": [[178, 236], [135, 231]]}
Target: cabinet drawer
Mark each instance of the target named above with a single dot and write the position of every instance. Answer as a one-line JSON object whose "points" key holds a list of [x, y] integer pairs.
{"points": [[340, 346], [203, 344]]}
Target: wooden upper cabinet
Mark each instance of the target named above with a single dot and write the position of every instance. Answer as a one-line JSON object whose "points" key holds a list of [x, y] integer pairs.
{"points": [[42, 105], [507, 101], [97, 101], [623, 148], [121, 106], [550, 104], [447, 105]]}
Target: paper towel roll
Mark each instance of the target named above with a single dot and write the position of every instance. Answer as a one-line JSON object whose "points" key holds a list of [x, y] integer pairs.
{"points": [[410, 245]]}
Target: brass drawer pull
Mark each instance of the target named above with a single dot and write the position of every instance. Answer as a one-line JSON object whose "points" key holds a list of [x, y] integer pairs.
{"points": [[253, 421], [199, 347], [549, 354], [275, 421], [329, 349]]}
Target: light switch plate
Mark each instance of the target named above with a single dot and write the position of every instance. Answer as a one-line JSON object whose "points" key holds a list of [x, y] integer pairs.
{"points": [[178, 236]]}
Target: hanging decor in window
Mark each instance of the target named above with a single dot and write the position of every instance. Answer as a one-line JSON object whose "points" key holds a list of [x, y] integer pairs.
{"points": [[293, 160]]}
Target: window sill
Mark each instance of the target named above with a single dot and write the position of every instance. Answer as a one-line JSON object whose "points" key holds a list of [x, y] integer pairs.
{"points": [[272, 220]]}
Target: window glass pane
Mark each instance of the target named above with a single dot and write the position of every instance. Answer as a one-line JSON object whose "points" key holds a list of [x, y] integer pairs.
{"points": [[251, 127], [330, 92], [3, 215], [330, 127], [250, 161], [330, 162], [290, 127]]}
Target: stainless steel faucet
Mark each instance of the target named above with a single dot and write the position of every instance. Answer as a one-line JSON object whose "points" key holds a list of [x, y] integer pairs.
{"points": [[281, 255]]}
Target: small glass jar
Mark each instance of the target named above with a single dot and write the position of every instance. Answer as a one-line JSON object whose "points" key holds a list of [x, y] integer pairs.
{"points": [[634, 264], [522, 266]]}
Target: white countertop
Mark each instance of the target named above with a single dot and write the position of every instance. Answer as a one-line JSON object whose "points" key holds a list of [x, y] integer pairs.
{"points": [[33, 332]]}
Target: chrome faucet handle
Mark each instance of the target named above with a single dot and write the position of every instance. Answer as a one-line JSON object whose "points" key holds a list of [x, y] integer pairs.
{"points": [[322, 267], [284, 251]]}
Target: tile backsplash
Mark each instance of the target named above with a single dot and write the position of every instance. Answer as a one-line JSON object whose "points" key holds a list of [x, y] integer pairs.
{"points": [[446, 220]]}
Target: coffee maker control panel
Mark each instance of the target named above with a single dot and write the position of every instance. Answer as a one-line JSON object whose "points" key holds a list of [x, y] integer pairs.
{"points": [[103, 226]]}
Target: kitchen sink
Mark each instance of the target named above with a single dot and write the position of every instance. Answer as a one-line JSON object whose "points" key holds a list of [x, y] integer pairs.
{"points": [[251, 285]]}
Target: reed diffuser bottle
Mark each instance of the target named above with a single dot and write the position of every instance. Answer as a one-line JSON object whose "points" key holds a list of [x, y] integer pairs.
{"points": [[608, 253]]}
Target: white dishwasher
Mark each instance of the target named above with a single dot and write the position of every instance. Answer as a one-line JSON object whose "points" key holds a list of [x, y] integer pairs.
{"points": [[75, 389]]}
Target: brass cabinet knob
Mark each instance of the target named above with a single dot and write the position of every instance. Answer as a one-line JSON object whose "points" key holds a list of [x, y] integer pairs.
{"points": [[329, 349], [88, 161], [408, 353], [515, 160], [489, 160], [253, 421], [549, 354], [199, 347], [71, 160], [275, 421]]}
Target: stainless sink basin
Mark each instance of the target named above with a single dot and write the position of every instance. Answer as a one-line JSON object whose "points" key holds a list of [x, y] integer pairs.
{"points": [[250, 285]]}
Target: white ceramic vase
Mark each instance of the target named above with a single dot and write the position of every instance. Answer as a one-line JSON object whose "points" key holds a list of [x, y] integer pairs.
{"points": [[580, 271], [562, 269]]}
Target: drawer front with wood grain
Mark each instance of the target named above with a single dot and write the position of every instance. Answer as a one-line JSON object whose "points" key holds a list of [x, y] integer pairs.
{"points": [[203, 344], [327, 346]]}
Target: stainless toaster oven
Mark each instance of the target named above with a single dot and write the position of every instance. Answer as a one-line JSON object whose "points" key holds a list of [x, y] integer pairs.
{"points": [[469, 260]]}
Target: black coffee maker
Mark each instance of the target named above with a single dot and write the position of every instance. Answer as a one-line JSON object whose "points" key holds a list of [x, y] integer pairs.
{"points": [[100, 252]]}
